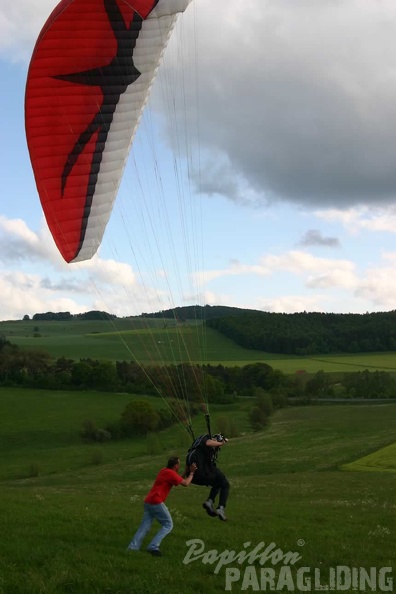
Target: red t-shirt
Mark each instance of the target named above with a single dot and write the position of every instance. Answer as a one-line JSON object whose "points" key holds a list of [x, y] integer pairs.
{"points": [[166, 479]]}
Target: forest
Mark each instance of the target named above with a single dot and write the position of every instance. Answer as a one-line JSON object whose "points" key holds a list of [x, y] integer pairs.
{"points": [[310, 333], [21, 367]]}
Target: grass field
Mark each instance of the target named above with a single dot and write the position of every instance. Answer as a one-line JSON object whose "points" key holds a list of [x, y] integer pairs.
{"points": [[66, 530], [149, 341], [383, 460]]}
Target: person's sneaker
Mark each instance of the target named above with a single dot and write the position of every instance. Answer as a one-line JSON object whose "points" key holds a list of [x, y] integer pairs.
{"points": [[208, 507], [155, 552], [221, 513]]}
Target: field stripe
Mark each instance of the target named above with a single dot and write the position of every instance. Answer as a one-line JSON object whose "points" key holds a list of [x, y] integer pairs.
{"points": [[383, 460]]}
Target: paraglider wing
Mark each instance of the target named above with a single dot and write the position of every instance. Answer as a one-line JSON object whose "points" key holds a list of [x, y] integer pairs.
{"points": [[89, 78]]}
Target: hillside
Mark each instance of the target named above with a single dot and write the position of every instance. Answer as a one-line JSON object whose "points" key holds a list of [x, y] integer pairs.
{"points": [[298, 334], [149, 341], [66, 530], [126, 339]]}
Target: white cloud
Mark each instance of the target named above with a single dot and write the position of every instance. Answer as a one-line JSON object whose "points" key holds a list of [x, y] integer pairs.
{"points": [[379, 287], [108, 272], [235, 269], [296, 262], [375, 219], [293, 304], [94, 284], [20, 24], [318, 272], [23, 293], [322, 272], [18, 242]]}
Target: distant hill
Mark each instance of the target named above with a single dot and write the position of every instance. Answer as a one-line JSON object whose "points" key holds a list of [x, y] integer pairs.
{"points": [[181, 314], [305, 333], [198, 312]]}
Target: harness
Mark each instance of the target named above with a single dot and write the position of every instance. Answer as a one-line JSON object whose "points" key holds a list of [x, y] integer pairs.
{"points": [[202, 455], [196, 453]]}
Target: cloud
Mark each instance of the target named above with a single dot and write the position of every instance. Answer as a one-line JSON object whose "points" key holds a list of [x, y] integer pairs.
{"points": [[297, 98], [325, 284], [217, 177], [20, 24], [314, 237], [293, 304], [65, 285], [23, 293], [319, 271], [298, 261], [94, 284], [111, 272], [18, 242], [379, 286], [235, 269], [363, 218]]}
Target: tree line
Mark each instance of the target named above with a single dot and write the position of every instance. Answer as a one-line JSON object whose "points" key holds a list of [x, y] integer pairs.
{"points": [[218, 383], [66, 316], [180, 314], [185, 381], [196, 312], [310, 333]]}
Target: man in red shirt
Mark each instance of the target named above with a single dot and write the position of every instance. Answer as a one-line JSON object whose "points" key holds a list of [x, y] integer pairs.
{"points": [[155, 508]]}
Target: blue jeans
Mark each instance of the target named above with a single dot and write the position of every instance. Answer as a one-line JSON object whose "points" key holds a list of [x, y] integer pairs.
{"points": [[152, 512]]}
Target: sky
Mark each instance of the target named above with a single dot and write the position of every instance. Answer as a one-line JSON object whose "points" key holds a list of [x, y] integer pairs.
{"points": [[263, 173]]}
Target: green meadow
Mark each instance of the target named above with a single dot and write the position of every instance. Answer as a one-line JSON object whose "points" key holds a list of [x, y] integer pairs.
{"points": [[383, 460], [69, 509], [152, 341]]}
